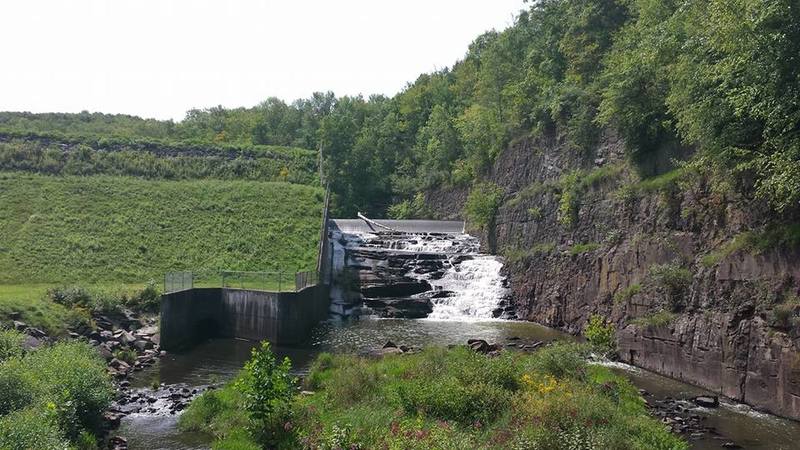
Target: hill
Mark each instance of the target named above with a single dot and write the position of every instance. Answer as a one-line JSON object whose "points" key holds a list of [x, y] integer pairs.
{"points": [[121, 229]]}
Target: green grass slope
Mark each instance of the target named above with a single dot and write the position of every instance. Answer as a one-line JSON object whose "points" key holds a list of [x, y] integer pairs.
{"points": [[106, 229]]}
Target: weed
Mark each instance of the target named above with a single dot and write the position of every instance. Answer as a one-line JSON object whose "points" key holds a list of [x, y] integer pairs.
{"points": [[655, 320], [579, 249], [626, 294]]}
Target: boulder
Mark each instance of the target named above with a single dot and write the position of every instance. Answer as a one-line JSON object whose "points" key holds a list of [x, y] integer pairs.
{"points": [[481, 346], [31, 343], [37, 333], [105, 352], [401, 289], [117, 443], [141, 345], [706, 401]]}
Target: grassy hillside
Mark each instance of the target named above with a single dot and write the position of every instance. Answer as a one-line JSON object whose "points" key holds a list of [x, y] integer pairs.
{"points": [[155, 159], [105, 229]]}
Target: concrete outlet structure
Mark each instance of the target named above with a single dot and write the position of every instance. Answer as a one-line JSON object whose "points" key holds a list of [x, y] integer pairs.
{"points": [[192, 315]]}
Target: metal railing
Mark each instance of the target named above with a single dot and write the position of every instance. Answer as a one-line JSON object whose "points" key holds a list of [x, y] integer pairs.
{"points": [[257, 281], [178, 281]]}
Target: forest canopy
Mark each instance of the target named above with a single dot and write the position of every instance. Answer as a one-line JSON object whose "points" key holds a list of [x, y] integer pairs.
{"points": [[717, 77]]}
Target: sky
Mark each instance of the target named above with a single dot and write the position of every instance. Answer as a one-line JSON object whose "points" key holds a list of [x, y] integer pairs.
{"points": [[160, 58]]}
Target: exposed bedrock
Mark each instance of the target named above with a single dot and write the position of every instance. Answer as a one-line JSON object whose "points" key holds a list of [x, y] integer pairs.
{"points": [[656, 261]]}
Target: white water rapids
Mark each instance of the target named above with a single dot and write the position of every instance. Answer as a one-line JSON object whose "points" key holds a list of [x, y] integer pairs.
{"points": [[474, 279]]}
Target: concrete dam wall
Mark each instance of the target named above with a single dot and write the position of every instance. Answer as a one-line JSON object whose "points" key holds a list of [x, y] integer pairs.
{"points": [[192, 315]]}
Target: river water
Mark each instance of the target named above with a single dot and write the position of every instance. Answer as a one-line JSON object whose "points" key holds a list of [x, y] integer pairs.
{"points": [[478, 287]]}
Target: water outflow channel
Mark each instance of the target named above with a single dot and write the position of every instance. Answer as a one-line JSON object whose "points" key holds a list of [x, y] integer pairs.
{"points": [[456, 293]]}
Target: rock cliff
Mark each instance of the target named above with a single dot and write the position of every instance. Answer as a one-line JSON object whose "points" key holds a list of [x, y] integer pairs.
{"points": [[701, 280]]}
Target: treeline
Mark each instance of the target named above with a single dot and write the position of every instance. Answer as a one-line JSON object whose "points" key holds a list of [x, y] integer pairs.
{"points": [[718, 77]]}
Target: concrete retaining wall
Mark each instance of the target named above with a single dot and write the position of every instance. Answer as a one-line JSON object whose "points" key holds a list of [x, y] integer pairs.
{"points": [[189, 316]]}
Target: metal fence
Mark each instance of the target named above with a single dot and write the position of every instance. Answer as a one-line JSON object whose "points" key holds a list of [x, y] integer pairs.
{"points": [[178, 281], [258, 281]]}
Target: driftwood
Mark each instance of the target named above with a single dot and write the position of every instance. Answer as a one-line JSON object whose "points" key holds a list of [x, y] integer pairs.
{"points": [[375, 224]]}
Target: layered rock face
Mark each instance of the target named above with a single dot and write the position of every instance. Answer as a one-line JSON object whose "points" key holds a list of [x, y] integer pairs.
{"points": [[659, 260]]}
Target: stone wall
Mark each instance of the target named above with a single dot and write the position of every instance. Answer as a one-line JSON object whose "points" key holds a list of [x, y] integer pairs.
{"points": [[285, 318], [720, 334]]}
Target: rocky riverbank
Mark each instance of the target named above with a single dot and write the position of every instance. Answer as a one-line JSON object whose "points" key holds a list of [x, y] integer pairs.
{"points": [[701, 282], [128, 342]]}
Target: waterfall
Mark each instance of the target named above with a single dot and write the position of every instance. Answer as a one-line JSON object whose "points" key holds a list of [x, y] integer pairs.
{"points": [[467, 285]]}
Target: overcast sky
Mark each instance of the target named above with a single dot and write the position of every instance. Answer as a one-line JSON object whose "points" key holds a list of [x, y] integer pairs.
{"points": [[159, 58]]}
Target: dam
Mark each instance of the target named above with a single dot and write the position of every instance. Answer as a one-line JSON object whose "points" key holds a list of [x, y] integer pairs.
{"points": [[388, 269]]}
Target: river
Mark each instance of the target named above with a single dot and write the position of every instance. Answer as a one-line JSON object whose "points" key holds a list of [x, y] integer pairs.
{"points": [[475, 288]]}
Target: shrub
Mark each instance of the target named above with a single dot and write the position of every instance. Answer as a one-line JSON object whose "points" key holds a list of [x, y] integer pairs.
{"points": [[601, 335], [29, 429], [265, 384], [570, 199], [655, 320], [410, 209], [72, 378], [674, 279], [535, 213], [71, 296], [11, 344], [579, 249], [16, 389], [147, 299], [783, 314], [561, 360], [482, 204], [626, 294]]}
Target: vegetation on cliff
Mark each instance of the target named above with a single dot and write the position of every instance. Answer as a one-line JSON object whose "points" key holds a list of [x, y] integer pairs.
{"points": [[437, 398]]}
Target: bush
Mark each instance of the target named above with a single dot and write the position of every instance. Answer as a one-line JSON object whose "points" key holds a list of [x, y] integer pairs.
{"points": [[579, 249], [29, 429], [71, 378], [655, 320], [625, 294], [783, 315], [265, 384], [148, 299], [11, 344], [601, 335], [125, 354], [482, 204], [16, 389], [71, 296], [561, 360], [675, 280]]}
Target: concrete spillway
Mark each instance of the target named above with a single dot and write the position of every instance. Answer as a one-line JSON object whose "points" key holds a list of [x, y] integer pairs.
{"points": [[406, 226]]}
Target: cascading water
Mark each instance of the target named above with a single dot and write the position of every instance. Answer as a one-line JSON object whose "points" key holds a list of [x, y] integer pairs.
{"points": [[477, 287], [461, 283]]}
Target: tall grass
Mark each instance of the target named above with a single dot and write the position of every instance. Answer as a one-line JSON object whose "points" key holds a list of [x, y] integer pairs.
{"points": [[453, 399]]}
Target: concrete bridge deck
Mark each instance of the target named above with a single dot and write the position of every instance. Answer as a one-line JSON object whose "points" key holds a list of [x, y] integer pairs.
{"points": [[408, 226]]}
